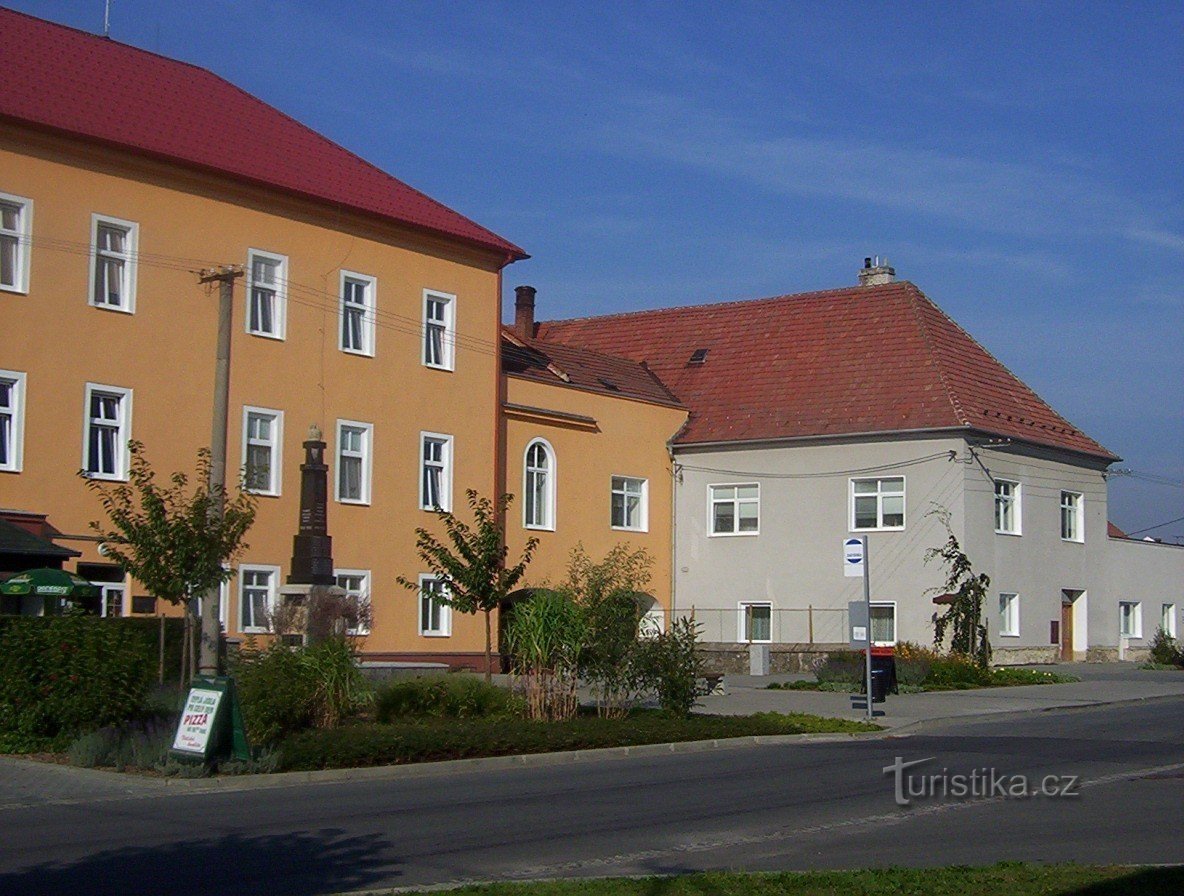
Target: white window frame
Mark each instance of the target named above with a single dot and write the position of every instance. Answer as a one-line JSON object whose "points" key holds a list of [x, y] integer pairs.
{"points": [[223, 603], [447, 325], [444, 465], [1167, 619], [1013, 502], [23, 237], [365, 456], [642, 523], [278, 290], [14, 413], [742, 617], [735, 500], [445, 619], [1009, 614], [276, 444], [547, 522], [880, 494], [369, 306], [1135, 629], [881, 604], [273, 585], [362, 593], [129, 258], [1077, 507], [123, 431]]}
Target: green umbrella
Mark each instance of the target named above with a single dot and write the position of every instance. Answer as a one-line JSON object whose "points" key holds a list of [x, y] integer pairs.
{"points": [[47, 582]]}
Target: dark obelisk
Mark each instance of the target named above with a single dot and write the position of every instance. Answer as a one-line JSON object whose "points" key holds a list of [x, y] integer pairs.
{"points": [[312, 547]]}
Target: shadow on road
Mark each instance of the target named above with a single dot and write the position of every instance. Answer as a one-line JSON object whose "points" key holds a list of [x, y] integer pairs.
{"points": [[305, 863]]}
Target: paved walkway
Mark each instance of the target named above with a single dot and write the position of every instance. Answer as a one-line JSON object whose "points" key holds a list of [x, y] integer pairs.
{"points": [[1100, 683]]}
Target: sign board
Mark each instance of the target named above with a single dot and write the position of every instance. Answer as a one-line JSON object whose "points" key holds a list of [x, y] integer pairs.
{"points": [[853, 557], [857, 624], [211, 725]]}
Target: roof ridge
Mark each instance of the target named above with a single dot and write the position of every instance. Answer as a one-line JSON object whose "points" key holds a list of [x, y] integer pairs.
{"points": [[712, 305]]}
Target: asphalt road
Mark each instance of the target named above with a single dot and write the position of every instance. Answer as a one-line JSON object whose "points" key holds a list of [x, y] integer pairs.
{"points": [[798, 806]]}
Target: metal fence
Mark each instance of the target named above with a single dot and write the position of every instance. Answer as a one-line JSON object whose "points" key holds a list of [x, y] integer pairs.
{"points": [[760, 624]]}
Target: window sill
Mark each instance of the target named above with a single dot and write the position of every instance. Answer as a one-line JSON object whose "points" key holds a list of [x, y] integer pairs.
{"points": [[435, 634], [1009, 634], [355, 502], [880, 529], [447, 368], [538, 528], [356, 352], [1005, 532], [629, 528], [106, 477], [1073, 540], [259, 494], [732, 534], [274, 337], [118, 309], [16, 290]]}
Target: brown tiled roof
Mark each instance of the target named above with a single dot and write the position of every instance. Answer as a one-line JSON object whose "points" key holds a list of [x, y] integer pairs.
{"points": [[85, 86], [582, 368], [868, 359]]}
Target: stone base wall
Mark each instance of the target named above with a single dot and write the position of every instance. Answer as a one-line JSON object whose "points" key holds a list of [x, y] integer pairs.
{"points": [[1025, 656], [732, 659]]}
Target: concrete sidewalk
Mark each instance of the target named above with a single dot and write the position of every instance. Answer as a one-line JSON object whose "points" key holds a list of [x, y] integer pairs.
{"points": [[1100, 683]]}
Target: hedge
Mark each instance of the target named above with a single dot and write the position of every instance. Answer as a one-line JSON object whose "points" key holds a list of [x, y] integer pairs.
{"points": [[63, 675]]}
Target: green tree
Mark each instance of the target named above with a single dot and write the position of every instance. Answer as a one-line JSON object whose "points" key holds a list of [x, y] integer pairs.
{"points": [[471, 562], [167, 536], [963, 617]]}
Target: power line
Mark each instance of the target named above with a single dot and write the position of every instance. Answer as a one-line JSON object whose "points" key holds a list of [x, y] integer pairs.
{"points": [[1178, 519]]}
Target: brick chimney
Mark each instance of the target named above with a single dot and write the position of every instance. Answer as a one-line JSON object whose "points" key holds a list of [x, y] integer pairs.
{"points": [[876, 272], [524, 311]]}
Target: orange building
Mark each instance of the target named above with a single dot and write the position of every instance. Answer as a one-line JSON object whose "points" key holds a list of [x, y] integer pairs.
{"points": [[365, 308]]}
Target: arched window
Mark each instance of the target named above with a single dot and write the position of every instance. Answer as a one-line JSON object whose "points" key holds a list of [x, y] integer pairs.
{"points": [[539, 486]]}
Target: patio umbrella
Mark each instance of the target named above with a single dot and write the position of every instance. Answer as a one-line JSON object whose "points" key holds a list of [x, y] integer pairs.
{"points": [[46, 582]]}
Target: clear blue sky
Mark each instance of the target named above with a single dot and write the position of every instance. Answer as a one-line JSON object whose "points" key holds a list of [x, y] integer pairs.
{"points": [[1021, 163]]}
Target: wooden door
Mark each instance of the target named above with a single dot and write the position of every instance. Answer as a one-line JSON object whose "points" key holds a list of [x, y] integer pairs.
{"points": [[1067, 632]]}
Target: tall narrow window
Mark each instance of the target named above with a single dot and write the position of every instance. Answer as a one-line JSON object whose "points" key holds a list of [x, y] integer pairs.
{"points": [[755, 621], [539, 486], [735, 509], [628, 505], [357, 313], [113, 274], [1007, 507], [1009, 614], [435, 616], [1072, 528], [353, 462], [12, 420], [257, 590], [16, 232], [107, 429], [438, 338], [877, 503], [1130, 618], [356, 585], [263, 432], [435, 482], [266, 294], [1167, 619]]}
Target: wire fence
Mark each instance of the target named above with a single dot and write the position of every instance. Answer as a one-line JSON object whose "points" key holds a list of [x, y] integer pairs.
{"points": [[758, 623]]}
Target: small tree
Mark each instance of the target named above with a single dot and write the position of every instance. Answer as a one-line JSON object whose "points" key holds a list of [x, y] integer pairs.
{"points": [[471, 562], [164, 535], [963, 617]]}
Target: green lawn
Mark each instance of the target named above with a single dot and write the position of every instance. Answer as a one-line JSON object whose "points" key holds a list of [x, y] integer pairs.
{"points": [[1009, 879]]}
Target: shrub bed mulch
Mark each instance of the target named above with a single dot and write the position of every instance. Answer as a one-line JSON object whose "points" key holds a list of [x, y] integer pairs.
{"points": [[369, 744]]}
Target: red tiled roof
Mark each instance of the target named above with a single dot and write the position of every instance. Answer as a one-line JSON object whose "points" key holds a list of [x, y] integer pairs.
{"points": [[91, 87], [583, 368], [1113, 531], [868, 359]]}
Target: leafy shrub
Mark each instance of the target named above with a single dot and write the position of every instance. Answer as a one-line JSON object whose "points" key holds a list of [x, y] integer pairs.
{"points": [[1164, 649], [62, 676], [1009, 676], [670, 663], [957, 671], [845, 666], [141, 744], [359, 745], [913, 662], [285, 690], [445, 696]]}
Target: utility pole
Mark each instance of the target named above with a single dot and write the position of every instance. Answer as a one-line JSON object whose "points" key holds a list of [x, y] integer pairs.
{"points": [[211, 630]]}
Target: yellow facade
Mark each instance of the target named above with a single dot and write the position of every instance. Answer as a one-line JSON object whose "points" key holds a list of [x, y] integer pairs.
{"points": [[593, 438], [159, 355], [164, 352]]}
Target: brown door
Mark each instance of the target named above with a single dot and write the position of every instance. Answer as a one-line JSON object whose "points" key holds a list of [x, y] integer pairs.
{"points": [[1067, 632]]}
